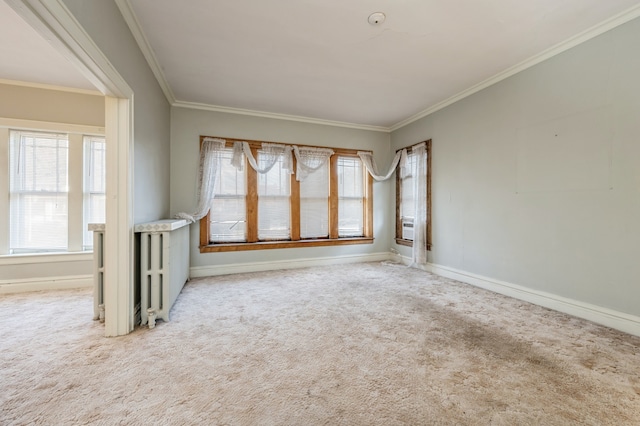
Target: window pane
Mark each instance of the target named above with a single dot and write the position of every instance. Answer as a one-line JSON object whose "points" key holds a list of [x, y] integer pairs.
{"points": [[350, 197], [228, 211], [274, 193], [407, 199], [38, 192], [314, 204], [407, 204], [94, 185]]}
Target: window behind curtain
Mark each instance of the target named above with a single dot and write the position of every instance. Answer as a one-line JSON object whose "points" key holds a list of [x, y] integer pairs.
{"points": [[94, 198], [274, 193], [314, 204], [38, 198], [350, 197], [407, 199], [228, 212]]}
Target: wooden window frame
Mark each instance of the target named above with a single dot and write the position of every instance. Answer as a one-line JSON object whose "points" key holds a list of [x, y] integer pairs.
{"points": [[252, 242], [399, 240]]}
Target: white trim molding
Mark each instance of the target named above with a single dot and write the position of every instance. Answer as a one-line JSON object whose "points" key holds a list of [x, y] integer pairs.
{"points": [[50, 87], [22, 124], [45, 283], [118, 247], [40, 258], [277, 116], [574, 41], [134, 25], [147, 51], [608, 317], [237, 268]]}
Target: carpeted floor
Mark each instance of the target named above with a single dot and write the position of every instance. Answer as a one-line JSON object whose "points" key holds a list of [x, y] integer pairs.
{"points": [[363, 344]]}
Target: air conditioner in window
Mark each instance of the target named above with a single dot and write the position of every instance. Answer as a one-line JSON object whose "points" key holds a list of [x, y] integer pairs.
{"points": [[407, 229]]}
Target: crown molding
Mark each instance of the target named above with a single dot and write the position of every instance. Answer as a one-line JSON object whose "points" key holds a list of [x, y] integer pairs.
{"points": [[601, 28], [50, 87], [276, 116], [143, 43], [134, 25]]}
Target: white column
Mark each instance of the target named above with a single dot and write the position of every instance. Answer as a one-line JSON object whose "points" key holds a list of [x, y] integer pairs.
{"points": [[118, 250]]}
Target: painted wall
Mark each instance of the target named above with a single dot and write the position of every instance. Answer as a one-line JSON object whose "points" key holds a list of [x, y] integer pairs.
{"points": [[536, 180], [188, 124], [104, 24], [30, 103], [50, 106]]}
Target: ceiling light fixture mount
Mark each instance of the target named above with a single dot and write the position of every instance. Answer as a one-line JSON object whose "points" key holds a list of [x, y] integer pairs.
{"points": [[376, 18]]}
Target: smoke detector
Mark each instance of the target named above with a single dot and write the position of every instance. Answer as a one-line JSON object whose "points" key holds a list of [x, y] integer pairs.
{"points": [[376, 18]]}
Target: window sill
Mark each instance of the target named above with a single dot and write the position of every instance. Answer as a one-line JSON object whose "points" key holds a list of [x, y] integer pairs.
{"points": [[409, 243], [402, 242], [265, 245], [39, 258]]}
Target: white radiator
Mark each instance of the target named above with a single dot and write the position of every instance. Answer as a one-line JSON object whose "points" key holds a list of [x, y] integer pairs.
{"points": [[98, 270], [164, 267]]}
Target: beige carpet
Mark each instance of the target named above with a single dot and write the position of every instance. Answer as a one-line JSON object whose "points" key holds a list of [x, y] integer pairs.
{"points": [[364, 344]]}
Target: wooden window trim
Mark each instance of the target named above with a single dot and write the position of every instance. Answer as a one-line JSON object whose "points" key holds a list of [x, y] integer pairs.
{"points": [[252, 209], [399, 239]]}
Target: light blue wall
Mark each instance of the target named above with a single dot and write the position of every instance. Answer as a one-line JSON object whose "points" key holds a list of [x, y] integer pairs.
{"points": [[105, 25], [536, 180], [188, 124]]}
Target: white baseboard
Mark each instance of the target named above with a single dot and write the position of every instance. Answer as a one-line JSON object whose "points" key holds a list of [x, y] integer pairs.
{"points": [[597, 314], [212, 270], [45, 283]]}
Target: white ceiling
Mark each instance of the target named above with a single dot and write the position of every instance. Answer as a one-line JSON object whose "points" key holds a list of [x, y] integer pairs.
{"points": [[321, 59], [26, 57]]}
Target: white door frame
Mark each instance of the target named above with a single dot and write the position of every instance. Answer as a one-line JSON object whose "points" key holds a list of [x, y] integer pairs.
{"points": [[53, 20]]}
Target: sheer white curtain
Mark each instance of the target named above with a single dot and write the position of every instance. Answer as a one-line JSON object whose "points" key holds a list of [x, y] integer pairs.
{"points": [[269, 155], [419, 173], [372, 167], [210, 154], [310, 159]]}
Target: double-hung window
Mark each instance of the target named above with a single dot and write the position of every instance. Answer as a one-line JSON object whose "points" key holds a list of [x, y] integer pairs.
{"points": [[274, 199], [332, 205], [228, 213], [39, 192], [350, 197], [314, 202]]}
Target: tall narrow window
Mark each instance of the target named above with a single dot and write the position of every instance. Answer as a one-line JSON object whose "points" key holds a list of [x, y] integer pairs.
{"points": [[350, 197], [38, 192], [228, 209], [407, 199], [274, 193], [411, 199], [94, 199], [314, 204]]}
